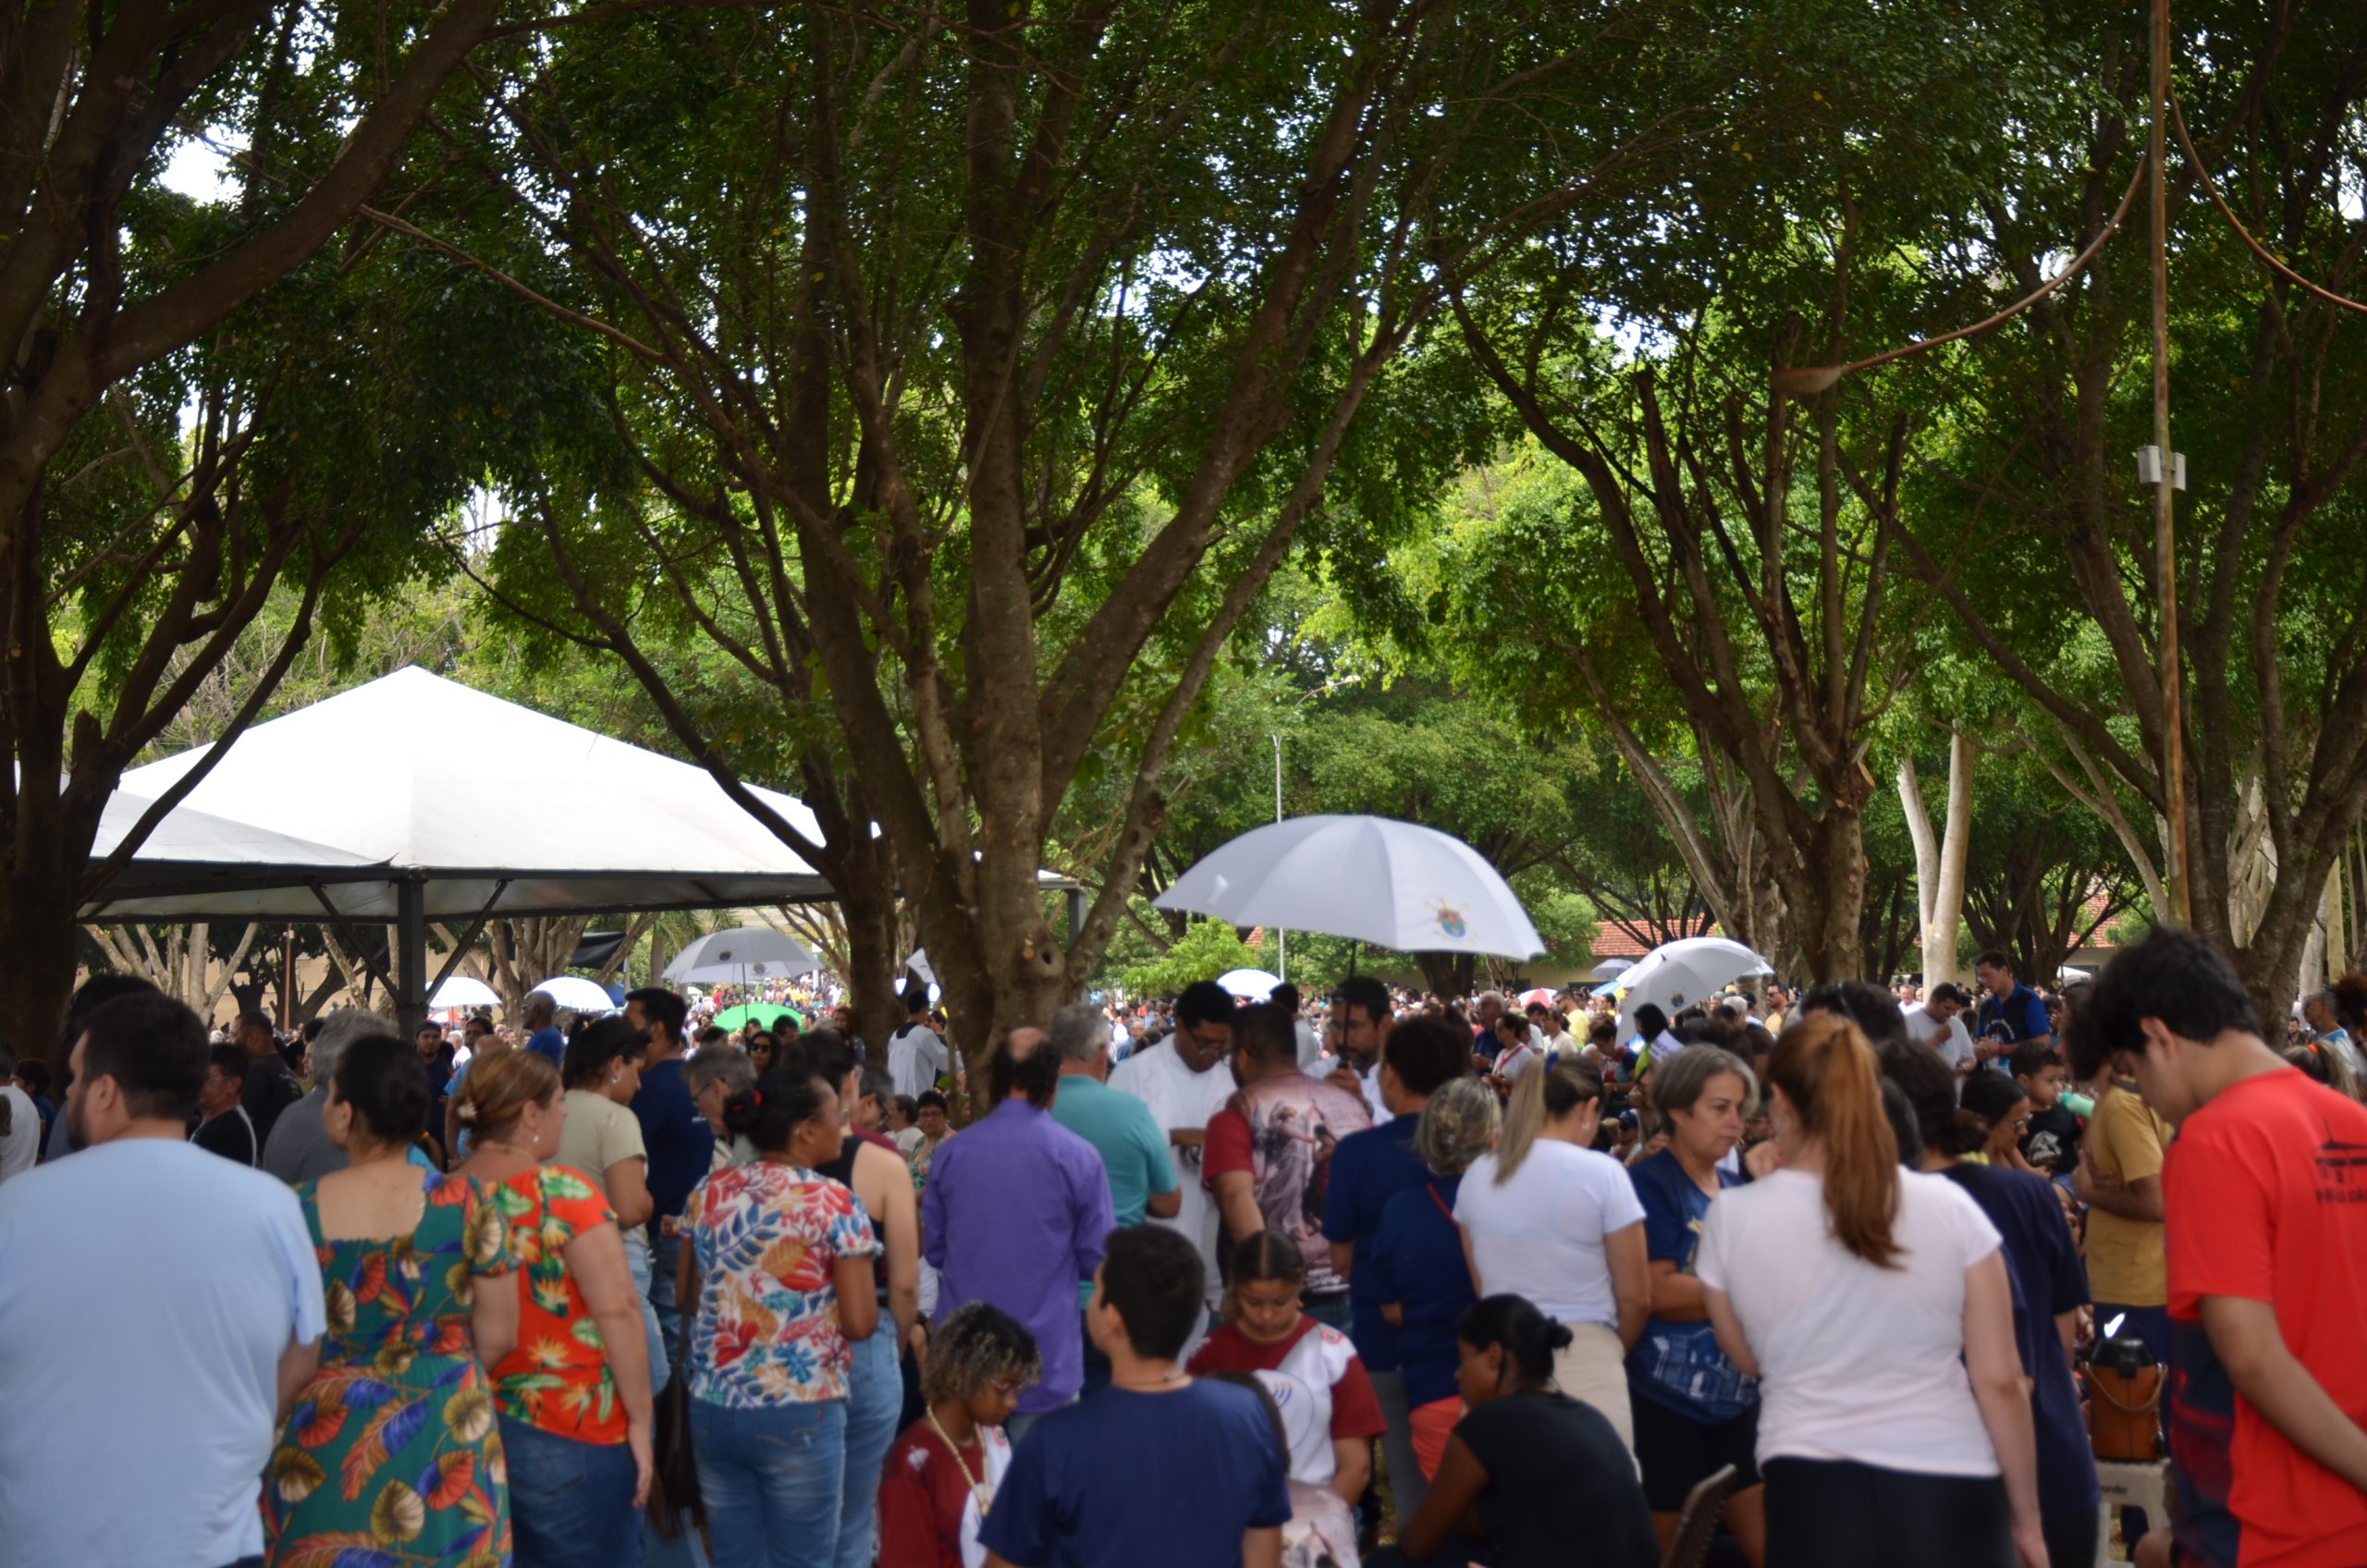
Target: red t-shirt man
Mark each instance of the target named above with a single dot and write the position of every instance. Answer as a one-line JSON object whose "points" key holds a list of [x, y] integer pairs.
{"points": [[2264, 1194]]}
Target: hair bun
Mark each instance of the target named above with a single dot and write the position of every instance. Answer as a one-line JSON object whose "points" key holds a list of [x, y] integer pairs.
{"points": [[1558, 1336]]}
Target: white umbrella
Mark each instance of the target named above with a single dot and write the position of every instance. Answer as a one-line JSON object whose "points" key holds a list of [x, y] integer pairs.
{"points": [[1611, 968], [918, 964], [577, 995], [1249, 985], [1677, 974], [758, 949], [1371, 878], [732, 974], [462, 990]]}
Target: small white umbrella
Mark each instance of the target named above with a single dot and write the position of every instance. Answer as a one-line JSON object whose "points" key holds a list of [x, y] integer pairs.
{"points": [[577, 994], [918, 965], [1371, 878], [1677, 974], [1611, 968], [462, 990], [1249, 985], [744, 948]]}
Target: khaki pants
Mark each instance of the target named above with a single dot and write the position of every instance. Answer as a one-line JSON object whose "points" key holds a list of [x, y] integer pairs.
{"points": [[1592, 1369]]}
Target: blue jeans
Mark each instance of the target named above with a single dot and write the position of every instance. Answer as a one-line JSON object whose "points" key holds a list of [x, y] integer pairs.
{"points": [[665, 1256], [570, 1502], [874, 1399], [772, 1480], [1332, 1312], [637, 1264]]}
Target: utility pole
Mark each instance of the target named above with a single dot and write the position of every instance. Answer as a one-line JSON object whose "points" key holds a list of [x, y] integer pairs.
{"points": [[1282, 938], [2165, 519]]}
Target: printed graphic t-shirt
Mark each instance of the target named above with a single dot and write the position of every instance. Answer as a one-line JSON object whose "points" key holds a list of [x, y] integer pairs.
{"points": [[1282, 1131]]}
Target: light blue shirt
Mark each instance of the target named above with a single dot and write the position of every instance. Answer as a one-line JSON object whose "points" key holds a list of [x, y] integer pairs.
{"points": [[148, 1289], [1132, 1149]]}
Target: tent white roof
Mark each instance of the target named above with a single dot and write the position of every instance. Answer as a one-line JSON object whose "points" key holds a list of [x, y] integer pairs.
{"points": [[190, 842], [359, 793]]}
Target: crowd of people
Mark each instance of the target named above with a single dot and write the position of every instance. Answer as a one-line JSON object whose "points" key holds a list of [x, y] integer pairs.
{"points": [[1208, 1281]]}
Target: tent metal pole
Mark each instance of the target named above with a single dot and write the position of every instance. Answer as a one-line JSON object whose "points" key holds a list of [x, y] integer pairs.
{"points": [[461, 950], [410, 956]]}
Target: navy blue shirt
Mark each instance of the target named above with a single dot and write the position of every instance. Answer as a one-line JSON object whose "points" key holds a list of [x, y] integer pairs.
{"points": [[2049, 1279], [681, 1144], [1678, 1365], [1367, 1169], [1167, 1480], [1416, 1259], [2017, 1017]]}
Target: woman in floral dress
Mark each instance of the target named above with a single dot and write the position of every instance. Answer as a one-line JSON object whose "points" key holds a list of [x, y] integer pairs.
{"points": [[778, 1260], [390, 1455], [574, 1395]]}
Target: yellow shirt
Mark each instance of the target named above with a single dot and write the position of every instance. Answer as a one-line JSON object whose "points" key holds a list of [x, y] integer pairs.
{"points": [[2125, 1266]]}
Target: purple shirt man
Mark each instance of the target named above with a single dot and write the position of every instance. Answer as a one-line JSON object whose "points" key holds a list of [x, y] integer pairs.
{"points": [[1015, 1213]]}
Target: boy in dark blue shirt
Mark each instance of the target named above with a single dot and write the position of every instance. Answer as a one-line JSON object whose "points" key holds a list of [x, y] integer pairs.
{"points": [[1159, 1470]]}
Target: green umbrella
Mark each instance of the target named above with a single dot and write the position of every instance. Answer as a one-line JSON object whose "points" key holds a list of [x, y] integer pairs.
{"points": [[763, 1012]]}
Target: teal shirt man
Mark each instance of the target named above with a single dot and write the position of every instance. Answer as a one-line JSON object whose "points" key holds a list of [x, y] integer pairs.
{"points": [[1119, 1126]]}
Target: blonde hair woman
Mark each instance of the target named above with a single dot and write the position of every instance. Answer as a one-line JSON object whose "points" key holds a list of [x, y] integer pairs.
{"points": [[1546, 1217]]}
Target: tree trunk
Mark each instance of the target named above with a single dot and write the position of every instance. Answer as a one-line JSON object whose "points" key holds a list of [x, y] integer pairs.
{"points": [[2330, 917], [1450, 975], [1823, 922], [874, 965], [1940, 862], [36, 931]]}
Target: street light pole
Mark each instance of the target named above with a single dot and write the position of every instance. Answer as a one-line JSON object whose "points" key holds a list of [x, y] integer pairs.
{"points": [[1282, 938], [2165, 519]]}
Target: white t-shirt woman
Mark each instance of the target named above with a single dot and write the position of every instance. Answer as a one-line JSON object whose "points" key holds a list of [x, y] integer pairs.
{"points": [[1539, 1233], [1874, 1307], [1855, 1363], [1547, 1218]]}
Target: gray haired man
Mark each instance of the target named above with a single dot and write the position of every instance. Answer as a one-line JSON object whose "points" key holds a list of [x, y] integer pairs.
{"points": [[299, 1148], [714, 1074]]}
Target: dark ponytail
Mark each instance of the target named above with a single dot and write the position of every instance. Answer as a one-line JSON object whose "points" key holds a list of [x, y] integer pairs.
{"points": [[768, 1114], [596, 1045], [1988, 1097], [1930, 1085], [2350, 1002], [1264, 1258], [1528, 1336], [1269, 1257], [378, 1076]]}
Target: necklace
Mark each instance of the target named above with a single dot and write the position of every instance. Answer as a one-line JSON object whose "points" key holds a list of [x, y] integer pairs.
{"points": [[1170, 1376], [978, 1487]]}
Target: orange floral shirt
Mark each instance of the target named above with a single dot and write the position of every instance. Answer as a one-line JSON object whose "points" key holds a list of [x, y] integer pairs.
{"points": [[558, 1378]]}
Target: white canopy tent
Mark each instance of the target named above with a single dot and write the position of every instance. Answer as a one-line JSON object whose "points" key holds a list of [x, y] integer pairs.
{"points": [[347, 811], [192, 848]]}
